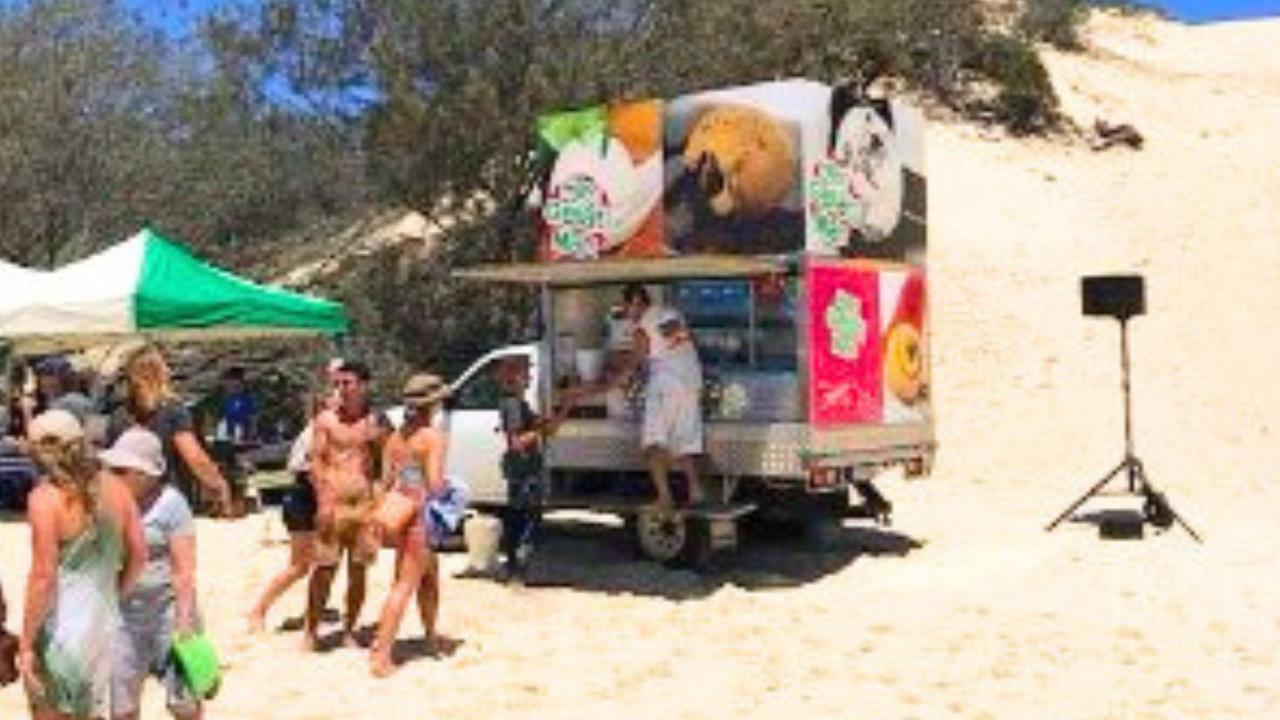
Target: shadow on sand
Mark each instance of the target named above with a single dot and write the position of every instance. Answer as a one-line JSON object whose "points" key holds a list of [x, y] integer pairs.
{"points": [[601, 558]]}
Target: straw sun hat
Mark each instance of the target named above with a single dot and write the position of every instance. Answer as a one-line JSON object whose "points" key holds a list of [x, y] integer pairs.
{"points": [[424, 389]]}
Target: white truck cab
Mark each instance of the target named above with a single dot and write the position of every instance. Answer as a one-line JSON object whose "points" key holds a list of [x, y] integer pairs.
{"points": [[476, 442]]}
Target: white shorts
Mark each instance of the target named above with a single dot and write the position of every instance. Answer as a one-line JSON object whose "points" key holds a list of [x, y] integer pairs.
{"points": [[673, 420]]}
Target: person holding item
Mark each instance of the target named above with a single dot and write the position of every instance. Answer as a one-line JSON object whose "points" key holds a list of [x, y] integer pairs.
{"points": [[161, 607], [522, 462], [412, 473], [87, 550], [344, 441], [672, 430]]}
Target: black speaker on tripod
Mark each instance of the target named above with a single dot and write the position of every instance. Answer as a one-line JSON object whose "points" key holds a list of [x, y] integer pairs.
{"points": [[1123, 297], [1117, 296]]}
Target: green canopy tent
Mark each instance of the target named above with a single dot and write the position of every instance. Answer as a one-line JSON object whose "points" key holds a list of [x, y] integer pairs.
{"points": [[151, 287]]}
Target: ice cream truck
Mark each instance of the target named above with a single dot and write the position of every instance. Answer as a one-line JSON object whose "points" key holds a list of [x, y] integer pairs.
{"points": [[786, 223]]}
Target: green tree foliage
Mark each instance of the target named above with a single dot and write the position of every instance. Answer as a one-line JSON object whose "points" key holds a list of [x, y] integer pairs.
{"points": [[447, 91], [1053, 21], [106, 126], [285, 111]]}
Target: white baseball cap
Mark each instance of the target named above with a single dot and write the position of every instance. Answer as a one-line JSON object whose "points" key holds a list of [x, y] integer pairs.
{"points": [[136, 449]]}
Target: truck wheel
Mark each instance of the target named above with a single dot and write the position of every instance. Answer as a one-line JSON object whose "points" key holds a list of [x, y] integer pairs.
{"points": [[712, 543], [660, 536]]}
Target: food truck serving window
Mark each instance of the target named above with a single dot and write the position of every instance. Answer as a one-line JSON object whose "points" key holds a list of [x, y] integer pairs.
{"points": [[741, 324]]}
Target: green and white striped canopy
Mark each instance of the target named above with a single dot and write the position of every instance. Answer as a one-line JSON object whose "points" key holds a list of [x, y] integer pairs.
{"points": [[150, 286]]}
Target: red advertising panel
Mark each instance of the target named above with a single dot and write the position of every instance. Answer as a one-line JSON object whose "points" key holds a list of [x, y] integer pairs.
{"points": [[845, 349]]}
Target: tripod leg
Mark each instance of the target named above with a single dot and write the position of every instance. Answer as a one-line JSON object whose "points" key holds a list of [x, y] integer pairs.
{"points": [[1088, 494], [1186, 527], [1149, 490]]}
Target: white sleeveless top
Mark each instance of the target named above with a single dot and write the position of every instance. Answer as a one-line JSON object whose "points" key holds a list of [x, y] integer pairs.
{"points": [[673, 364]]}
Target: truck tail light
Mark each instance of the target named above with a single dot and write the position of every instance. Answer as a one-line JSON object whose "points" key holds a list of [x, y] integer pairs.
{"points": [[823, 478]]}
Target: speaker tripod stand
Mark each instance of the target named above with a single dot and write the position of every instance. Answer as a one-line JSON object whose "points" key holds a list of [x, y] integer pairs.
{"points": [[1156, 508]]}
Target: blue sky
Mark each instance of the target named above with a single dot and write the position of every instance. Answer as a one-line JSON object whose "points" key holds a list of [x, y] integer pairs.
{"points": [[177, 15], [1209, 10]]}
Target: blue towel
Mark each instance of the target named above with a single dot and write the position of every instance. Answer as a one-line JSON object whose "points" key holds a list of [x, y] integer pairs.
{"points": [[443, 514]]}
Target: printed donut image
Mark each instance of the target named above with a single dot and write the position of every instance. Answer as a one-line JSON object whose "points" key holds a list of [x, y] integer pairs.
{"points": [[905, 368], [904, 362], [744, 160]]}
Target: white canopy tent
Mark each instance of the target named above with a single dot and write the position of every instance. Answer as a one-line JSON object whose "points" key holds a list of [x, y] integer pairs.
{"points": [[148, 286]]}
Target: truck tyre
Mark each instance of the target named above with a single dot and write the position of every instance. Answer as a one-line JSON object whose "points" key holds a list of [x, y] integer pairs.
{"points": [[711, 544], [660, 536]]}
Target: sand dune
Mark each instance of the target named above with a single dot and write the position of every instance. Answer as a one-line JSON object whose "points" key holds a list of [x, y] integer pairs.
{"points": [[967, 609]]}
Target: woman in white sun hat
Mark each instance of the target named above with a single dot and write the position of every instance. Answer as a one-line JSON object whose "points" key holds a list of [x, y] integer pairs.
{"points": [[162, 605]]}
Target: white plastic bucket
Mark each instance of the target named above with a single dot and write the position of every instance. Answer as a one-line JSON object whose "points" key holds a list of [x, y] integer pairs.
{"points": [[483, 534]]}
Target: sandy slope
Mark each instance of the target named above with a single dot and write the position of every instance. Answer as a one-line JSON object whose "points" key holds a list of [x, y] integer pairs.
{"points": [[991, 618]]}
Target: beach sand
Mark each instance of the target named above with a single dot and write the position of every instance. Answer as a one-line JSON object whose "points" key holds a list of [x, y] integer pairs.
{"points": [[965, 608]]}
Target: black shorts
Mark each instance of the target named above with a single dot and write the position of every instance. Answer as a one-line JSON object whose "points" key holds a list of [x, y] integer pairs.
{"points": [[299, 507]]}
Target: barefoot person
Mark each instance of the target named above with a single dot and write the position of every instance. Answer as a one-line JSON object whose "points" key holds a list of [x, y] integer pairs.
{"points": [[413, 467], [343, 445], [298, 510], [672, 433], [161, 607], [86, 549]]}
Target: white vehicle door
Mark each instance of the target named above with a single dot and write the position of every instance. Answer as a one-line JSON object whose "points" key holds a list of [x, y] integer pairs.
{"points": [[476, 441]]}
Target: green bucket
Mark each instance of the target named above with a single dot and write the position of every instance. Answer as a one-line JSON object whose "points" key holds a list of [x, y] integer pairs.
{"points": [[198, 664]]}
